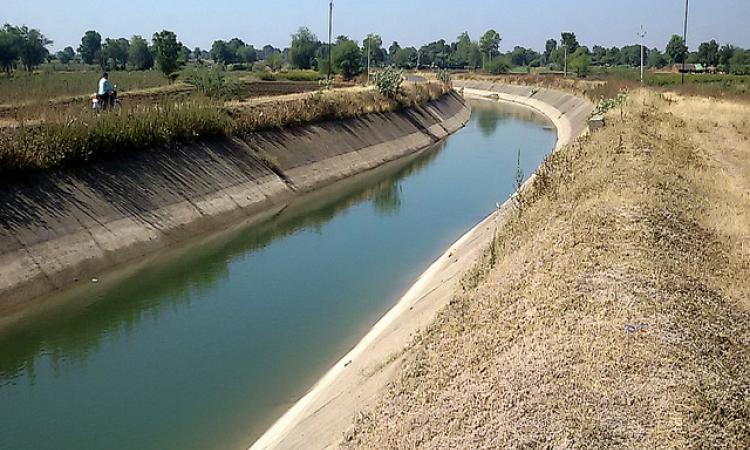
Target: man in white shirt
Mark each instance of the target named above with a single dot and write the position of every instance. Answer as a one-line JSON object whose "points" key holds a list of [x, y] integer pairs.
{"points": [[105, 91]]}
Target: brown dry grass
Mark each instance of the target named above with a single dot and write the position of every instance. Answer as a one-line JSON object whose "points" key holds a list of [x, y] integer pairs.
{"points": [[612, 309]]}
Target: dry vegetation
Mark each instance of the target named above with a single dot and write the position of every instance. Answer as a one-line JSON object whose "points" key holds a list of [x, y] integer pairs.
{"points": [[612, 308], [74, 138]]}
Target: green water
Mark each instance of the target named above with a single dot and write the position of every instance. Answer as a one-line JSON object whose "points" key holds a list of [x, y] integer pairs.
{"points": [[205, 346]]}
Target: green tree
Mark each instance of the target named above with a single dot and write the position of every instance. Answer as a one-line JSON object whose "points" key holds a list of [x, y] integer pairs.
{"points": [[374, 44], [273, 60], [347, 59], [405, 58], [221, 52], [33, 49], [598, 55], [725, 54], [247, 54], [676, 49], [302, 50], [66, 55], [580, 62], [392, 50], [139, 54], [10, 47], [568, 40], [475, 56], [549, 47], [460, 57], [656, 59], [489, 44], [708, 53], [166, 50], [498, 65], [115, 53], [90, 48], [739, 63]]}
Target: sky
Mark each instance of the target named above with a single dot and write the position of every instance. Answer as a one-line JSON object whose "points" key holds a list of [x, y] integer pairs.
{"points": [[528, 23]]}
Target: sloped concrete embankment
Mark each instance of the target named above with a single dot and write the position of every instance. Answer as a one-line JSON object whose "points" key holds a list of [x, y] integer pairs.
{"points": [[60, 227], [355, 382]]}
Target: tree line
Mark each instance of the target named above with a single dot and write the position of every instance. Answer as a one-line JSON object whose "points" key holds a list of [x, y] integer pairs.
{"points": [[23, 47]]}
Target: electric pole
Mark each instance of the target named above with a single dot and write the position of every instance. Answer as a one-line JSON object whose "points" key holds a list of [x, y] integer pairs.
{"points": [[642, 35], [684, 40], [330, 39], [566, 61]]}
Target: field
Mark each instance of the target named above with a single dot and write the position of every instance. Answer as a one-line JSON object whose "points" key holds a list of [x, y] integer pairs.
{"points": [[70, 136], [717, 85], [611, 310]]}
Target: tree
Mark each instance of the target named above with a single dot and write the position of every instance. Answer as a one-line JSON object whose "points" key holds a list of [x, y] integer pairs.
{"points": [[568, 40], [33, 50], [460, 57], [656, 59], [273, 60], [373, 44], [580, 62], [405, 58], [708, 53], [115, 53], [166, 50], [725, 54], [10, 47], [489, 44], [66, 55], [549, 47], [739, 63], [139, 54], [392, 50], [221, 53], [247, 54], [676, 49], [347, 59], [598, 55], [475, 56], [498, 66], [91, 46], [630, 55], [302, 50]]}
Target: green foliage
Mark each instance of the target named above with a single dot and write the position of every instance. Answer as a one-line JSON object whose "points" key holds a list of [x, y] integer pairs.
{"points": [[444, 76], [405, 58], [166, 51], [389, 81], [10, 47], [676, 49], [139, 54], [656, 59], [373, 43], [347, 59], [302, 50], [115, 53], [90, 48], [708, 53], [498, 66], [569, 41], [22, 43], [213, 83], [549, 47], [580, 62], [607, 104], [489, 44], [66, 55]]}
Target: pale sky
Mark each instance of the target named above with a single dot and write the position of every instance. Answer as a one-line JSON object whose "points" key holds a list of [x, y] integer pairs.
{"points": [[410, 22]]}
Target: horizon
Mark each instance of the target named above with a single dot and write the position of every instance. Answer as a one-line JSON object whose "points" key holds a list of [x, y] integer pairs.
{"points": [[613, 25]]}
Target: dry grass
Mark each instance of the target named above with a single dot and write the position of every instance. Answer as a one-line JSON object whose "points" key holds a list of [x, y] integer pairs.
{"points": [[611, 311]]}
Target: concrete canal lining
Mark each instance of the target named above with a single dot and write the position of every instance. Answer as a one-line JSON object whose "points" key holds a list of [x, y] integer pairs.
{"points": [[321, 418], [64, 227]]}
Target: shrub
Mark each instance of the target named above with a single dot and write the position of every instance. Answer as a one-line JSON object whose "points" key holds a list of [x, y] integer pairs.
{"points": [[389, 81], [213, 83], [444, 76], [498, 66]]}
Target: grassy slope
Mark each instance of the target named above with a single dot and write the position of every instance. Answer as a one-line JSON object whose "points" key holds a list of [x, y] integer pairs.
{"points": [[645, 222]]}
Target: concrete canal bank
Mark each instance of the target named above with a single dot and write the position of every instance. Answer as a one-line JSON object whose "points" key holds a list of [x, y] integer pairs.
{"points": [[321, 418], [65, 227]]}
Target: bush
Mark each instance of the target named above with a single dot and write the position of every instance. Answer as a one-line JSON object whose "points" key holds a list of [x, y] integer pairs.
{"points": [[444, 76], [389, 81], [213, 83], [498, 66]]}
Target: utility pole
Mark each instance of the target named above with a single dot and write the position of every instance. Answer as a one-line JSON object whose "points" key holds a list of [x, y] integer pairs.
{"points": [[684, 40], [566, 61], [642, 35], [330, 39], [419, 58]]}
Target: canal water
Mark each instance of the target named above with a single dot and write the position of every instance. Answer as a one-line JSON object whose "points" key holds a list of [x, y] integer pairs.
{"points": [[206, 345]]}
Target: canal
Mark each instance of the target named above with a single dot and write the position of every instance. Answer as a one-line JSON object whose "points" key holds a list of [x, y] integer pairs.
{"points": [[206, 345]]}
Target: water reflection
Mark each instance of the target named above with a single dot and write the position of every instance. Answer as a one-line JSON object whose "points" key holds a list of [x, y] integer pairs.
{"points": [[118, 308]]}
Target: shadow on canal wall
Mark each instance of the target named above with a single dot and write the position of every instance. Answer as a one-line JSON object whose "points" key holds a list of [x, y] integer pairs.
{"points": [[62, 227]]}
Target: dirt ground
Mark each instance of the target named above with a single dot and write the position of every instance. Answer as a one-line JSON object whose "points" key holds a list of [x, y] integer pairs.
{"points": [[611, 310]]}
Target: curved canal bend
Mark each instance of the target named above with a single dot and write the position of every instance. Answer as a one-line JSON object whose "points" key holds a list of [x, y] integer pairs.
{"points": [[205, 346]]}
